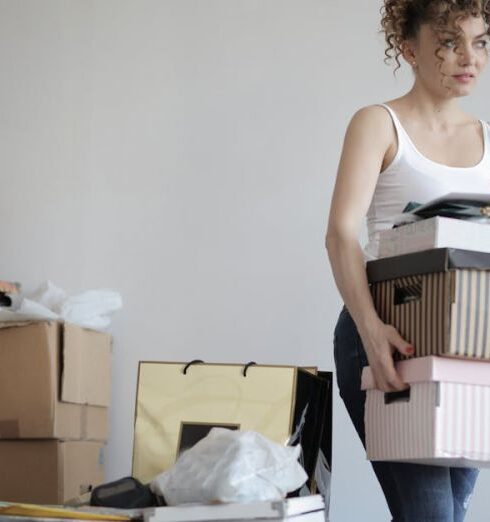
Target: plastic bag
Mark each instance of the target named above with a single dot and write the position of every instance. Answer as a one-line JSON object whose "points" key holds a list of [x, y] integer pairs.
{"points": [[232, 466]]}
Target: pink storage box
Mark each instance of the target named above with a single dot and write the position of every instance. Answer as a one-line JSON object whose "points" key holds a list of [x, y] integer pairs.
{"points": [[443, 420]]}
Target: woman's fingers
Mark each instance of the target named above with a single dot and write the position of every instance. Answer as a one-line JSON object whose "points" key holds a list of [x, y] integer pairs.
{"points": [[386, 377], [380, 347], [399, 343]]}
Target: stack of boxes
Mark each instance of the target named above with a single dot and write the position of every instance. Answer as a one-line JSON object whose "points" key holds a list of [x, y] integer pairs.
{"points": [[439, 301], [54, 398]]}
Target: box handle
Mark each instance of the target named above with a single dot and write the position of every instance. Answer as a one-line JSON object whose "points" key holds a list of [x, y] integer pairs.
{"points": [[407, 291], [398, 396]]}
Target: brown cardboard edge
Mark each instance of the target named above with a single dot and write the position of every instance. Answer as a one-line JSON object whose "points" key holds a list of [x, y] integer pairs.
{"points": [[135, 415], [60, 474], [241, 365], [294, 384]]}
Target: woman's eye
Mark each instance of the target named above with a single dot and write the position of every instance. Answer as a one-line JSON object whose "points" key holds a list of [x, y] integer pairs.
{"points": [[482, 44], [448, 43]]}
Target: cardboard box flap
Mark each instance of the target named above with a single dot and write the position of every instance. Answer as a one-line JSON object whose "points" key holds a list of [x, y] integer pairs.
{"points": [[83, 467], [28, 377], [426, 262], [86, 366], [436, 369]]}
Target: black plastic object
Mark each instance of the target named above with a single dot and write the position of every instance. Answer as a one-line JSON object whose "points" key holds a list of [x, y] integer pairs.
{"points": [[459, 207], [5, 300], [125, 493]]}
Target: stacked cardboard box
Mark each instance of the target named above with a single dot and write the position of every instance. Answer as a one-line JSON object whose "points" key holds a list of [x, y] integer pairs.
{"points": [[54, 396], [442, 419], [439, 301]]}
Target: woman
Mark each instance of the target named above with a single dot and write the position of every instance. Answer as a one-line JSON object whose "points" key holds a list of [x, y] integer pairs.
{"points": [[413, 148]]}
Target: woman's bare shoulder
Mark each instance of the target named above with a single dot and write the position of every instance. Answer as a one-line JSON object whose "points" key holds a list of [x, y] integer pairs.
{"points": [[372, 119], [372, 115]]}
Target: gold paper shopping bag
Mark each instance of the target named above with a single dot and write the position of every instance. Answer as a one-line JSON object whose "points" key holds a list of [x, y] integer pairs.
{"points": [[177, 405]]}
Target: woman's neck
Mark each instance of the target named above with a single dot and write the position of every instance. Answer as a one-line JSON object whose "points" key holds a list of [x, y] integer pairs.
{"points": [[434, 112]]}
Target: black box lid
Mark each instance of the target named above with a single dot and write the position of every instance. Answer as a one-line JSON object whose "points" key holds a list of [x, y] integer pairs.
{"points": [[426, 262]]}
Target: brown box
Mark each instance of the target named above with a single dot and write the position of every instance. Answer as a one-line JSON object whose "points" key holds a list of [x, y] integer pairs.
{"points": [[54, 381], [49, 471], [438, 299]]}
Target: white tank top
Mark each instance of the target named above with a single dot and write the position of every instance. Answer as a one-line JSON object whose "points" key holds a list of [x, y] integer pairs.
{"points": [[413, 177]]}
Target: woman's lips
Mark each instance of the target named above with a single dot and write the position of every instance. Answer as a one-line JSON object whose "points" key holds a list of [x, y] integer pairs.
{"points": [[463, 78]]}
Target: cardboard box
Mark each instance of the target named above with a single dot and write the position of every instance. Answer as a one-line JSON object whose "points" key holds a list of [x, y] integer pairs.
{"points": [[437, 299], [436, 232], [444, 418], [175, 409], [54, 381], [49, 471]]}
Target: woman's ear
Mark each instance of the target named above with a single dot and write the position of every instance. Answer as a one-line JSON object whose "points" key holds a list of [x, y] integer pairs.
{"points": [[408, 52]]}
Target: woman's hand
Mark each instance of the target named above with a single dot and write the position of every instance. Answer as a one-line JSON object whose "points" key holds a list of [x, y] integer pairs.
{"points": [[380, 341]]}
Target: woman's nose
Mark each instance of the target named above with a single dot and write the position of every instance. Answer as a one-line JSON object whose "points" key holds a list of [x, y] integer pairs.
{"points": [[467, 54]]}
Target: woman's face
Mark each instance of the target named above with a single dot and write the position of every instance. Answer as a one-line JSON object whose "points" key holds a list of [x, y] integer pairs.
{"points": [[465, 56]]}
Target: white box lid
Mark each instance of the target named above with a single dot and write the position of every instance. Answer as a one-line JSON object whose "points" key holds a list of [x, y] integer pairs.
{"points": [[437, 369]]}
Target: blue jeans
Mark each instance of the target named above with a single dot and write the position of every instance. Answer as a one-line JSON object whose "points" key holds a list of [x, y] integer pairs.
{"points": [[414, 492]]}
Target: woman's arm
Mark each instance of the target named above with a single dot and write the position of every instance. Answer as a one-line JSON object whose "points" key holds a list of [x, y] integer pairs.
{"points": [[366, 141]]}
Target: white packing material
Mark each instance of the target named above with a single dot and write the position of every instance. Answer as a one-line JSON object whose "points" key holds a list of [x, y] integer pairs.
{"points": [[49, 295], [90, 309], [232, 466]]}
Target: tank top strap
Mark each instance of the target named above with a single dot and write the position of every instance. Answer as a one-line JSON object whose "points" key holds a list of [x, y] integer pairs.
{"points": [[403, 141], [486, 139], [400, 131], [393, 115]]}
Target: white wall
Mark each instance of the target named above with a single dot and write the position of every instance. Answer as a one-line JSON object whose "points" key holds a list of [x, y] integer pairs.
{"points": [[184, 153]]}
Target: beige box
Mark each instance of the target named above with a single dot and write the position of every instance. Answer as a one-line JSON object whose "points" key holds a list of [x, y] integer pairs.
{"points": [[49, 471], [438, 299], [54, 381], [436, 232]]}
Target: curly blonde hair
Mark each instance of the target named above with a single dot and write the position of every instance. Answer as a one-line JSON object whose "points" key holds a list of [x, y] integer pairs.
{"points": [[401, 20]]}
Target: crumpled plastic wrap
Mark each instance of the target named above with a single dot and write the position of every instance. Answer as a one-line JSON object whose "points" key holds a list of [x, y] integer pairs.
{"points": [[90, 309], [232, 466]]}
